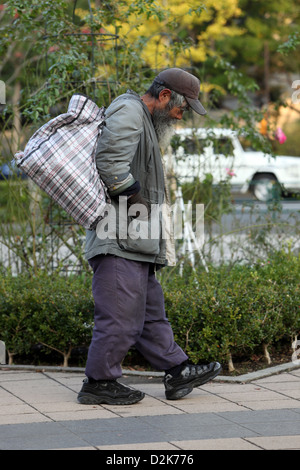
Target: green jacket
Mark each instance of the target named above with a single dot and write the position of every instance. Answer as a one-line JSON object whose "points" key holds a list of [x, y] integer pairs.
{"points": [[128, 151]]}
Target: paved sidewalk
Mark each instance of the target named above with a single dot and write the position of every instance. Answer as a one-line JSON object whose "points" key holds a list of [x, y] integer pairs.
{"points": [[39, 411]]}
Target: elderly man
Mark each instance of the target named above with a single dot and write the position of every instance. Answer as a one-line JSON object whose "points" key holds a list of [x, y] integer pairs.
{"points": [[129, 302]]}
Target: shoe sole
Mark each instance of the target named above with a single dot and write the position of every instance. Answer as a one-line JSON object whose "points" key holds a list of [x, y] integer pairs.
{"points": [[185, 390], [89, 399], [177, 394]]}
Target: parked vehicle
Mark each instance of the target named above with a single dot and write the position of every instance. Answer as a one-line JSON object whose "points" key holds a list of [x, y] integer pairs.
{"points": [[223, 153], [10, 170]]}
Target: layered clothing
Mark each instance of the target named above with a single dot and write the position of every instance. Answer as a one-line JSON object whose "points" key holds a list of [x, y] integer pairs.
{"points": [[128, 151]]}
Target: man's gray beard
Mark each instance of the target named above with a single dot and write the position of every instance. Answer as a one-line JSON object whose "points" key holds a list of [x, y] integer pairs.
{"points": [[164, 127]]}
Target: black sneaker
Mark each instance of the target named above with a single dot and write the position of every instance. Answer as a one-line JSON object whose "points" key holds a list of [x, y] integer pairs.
{"points": [[108, 392], [190, 376]]}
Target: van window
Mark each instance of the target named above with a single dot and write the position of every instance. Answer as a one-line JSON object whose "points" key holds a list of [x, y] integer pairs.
{"points": [[246, 144], [223, 146], [194, 145]]}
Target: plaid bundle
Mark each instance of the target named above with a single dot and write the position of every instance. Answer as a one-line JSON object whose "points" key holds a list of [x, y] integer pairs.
{"points": [[60, 159]]}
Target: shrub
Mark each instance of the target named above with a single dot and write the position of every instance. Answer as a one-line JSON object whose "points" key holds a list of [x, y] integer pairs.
{"points": [[54, 311], [15, 312], [216, 315], [234, 311]]}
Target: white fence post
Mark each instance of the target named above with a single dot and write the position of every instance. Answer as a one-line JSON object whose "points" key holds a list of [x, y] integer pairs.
{"points": [[2, 353]]}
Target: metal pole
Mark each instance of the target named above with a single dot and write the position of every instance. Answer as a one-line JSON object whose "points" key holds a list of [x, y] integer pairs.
{"points": [[2, 353]]}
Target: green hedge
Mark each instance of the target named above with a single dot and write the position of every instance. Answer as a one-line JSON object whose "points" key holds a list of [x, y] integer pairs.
{"points": [[53, 311], [229, 311], [234, 311]]}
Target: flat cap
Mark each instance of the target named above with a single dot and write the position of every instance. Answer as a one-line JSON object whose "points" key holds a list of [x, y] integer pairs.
{"points": [[185, 84]]}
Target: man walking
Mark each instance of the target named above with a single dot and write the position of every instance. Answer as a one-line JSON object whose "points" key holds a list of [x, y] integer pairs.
{"points": [[129, 302]]}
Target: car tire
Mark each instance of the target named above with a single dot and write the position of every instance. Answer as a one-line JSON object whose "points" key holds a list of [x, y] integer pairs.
{"points": [[265, 187]]}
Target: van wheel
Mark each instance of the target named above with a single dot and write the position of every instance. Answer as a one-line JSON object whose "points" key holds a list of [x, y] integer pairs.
{"points": [[265, 187]]}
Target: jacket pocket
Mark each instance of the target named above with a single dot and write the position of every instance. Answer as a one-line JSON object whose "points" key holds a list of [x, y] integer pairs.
{"points": [[139, 239]]}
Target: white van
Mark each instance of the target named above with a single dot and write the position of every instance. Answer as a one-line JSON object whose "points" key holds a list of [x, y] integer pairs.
{"points": [[224, 154]]}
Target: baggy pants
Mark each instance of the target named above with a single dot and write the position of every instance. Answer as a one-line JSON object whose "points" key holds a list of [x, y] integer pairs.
{"points": [[129, 311]]}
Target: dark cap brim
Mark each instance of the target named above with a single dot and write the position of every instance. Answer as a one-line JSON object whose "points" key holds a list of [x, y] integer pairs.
{"points": [[196, 106]]}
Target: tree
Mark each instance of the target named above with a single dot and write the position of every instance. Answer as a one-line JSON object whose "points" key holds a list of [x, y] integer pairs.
{"points": [[50, 53], [265, 26]]}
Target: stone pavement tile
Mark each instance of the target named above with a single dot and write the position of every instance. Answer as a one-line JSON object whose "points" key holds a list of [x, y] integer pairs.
{"points": [[276, 442], [153, 390], [18, 376], [267, 422], [38, 436], [135, 411], [285, 384], [284, 377], [20, 408], [282, 386], [279, 428], [289, 392], [70, 380], [39, 391], [6, 398], [201, 399], [74, 382], [282, 403], [42, 443], [256, 395], [161, 428], [98, 426], [76, 448], [286, 389], [216, 444], [185, 421], [228, 388], [40, 397], [206, 407], [196, 426], [97, 413], [65, 376], [140, 446], [200, 393], [147, 407], [123, 436], [205, 402], [208, 432], [32, 383], [74, 411], [22, 418], [263, 416], [64, 406]]}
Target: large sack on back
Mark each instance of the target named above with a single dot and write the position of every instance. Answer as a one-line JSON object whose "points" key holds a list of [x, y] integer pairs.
{"points": [[60, 159]]}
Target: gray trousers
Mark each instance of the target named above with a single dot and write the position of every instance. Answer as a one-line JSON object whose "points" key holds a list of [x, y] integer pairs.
{"points": [[129, 311]]}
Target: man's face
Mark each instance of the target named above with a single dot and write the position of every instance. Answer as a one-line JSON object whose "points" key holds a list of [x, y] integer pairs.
{"points": [[177, 111], [164, 119]]}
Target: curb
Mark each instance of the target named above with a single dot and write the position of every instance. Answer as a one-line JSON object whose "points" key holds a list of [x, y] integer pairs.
{"points": [[249, 377]]}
